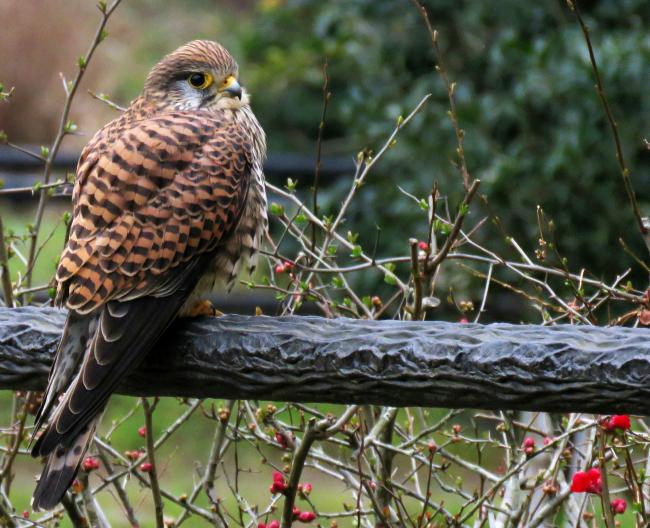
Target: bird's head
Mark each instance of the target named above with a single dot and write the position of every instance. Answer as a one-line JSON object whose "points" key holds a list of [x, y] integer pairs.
{"points": [[202, 74]]}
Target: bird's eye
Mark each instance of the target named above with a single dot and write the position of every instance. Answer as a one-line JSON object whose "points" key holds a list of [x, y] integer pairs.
{"points": [[199, 80]]}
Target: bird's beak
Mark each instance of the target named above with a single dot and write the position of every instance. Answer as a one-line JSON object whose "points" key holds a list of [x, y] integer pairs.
{"points": [[231, 87]]}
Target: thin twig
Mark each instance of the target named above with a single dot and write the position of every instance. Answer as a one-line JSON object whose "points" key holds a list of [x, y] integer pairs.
{"points": [[463, 209], [4, 269], [63, 130], [74, 514], [319, 145], [625, 171], [104, 99], [153, 474], [121, 493], [451, 92]]}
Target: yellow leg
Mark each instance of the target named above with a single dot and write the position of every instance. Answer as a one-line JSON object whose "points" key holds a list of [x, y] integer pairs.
{"points": [[204, 307]]}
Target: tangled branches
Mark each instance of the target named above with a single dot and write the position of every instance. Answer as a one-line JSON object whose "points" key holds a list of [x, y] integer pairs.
{"points": [[260, 464]]}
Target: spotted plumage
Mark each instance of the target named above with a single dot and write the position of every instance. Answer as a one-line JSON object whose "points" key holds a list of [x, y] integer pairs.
{"points": [[169, 198]]}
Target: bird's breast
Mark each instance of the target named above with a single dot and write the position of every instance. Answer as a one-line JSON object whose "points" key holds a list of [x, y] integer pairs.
{"points": [[239, 251]]}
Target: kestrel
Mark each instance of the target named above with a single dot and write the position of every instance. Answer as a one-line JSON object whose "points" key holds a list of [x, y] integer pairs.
{"points": [[168, 199]]}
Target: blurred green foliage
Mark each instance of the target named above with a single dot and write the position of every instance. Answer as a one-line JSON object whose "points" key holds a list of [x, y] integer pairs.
{"points": [[535, 129]]}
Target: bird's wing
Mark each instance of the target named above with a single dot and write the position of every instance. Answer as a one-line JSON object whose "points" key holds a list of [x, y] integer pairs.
{"points": [[151, 205], [161, 192]]}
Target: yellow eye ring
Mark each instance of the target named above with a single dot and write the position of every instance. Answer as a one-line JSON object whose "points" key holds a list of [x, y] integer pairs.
{"points": [[200, 80]]}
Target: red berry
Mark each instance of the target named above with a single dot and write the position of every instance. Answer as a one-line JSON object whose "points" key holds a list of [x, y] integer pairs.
{"points": [[133, 455], [279, 484], [146, 467], [25, 514], [432, 447], [618, 421], [142, 431], [423, 245], [306, 488], [529, 446], [618, 506], [587, 482], [281, 439], [295, 511], [279, 268], [274, 524], [90, 464], [306, 516]]}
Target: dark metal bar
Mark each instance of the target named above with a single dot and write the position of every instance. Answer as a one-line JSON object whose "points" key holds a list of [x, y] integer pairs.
{"points": [[311, 359]]}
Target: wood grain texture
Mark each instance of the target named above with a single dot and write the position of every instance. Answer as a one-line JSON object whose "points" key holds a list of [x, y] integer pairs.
{"points": [[311, 359]]}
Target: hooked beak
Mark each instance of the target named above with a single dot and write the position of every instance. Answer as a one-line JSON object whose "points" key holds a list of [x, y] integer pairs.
{"points": [[231, 87]]}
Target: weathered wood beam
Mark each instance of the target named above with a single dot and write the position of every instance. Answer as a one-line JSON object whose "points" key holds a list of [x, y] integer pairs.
{"points": [[311, 359]]}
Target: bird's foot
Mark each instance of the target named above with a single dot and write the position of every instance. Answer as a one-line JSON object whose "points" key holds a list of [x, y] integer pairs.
{"points": [[204, 307]]}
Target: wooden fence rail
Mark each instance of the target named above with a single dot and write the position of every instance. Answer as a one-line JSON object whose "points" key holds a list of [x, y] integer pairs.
{"points": [[312, 359]]}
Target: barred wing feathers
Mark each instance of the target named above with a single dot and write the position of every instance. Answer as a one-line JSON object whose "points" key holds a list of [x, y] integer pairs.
{"points": [[153, 200]]}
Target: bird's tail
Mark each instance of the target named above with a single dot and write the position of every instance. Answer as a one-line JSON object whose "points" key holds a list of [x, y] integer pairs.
{"points": [[60, 470]]}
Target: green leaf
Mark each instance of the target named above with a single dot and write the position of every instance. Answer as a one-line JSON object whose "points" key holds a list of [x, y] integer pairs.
{"points": [[352, 237], [441, 227], [6, 95], [45, 151], [389, 278], [301, 219], [337, 282], [291, 184], [82, 62], [70, 127], [332, 249], [327, 220], [276, 209], [357, 251]]}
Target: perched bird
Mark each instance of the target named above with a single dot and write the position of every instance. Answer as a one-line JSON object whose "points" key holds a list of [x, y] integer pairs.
{"points": [[168, 198]]}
